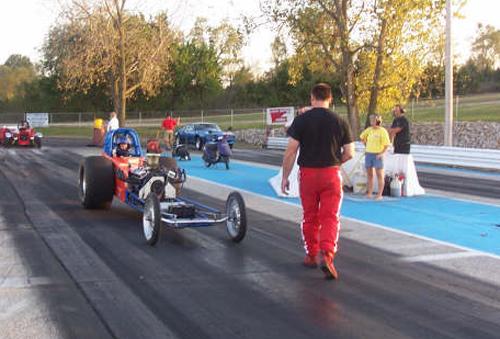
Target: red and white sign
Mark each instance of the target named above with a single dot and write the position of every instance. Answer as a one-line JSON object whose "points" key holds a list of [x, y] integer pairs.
{"points": [[280, 115]]}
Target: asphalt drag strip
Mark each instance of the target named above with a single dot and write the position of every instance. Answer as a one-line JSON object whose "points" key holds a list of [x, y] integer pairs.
{"points": [[198, 284]]}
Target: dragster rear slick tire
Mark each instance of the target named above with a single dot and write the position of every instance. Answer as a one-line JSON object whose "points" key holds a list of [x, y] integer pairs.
{"points": [[236, 223], [151, 220], [96, 183]]}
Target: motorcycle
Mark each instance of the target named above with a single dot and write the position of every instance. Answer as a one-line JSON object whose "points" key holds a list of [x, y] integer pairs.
{"points": [[217, 151]]}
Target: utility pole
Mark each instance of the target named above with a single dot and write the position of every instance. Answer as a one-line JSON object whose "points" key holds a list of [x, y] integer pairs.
{"points": [[448, 117]]}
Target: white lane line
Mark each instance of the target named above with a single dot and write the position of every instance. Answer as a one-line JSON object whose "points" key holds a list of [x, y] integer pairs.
{"points": [[416, 236], [26, 282], [289, 203], [442, 256], [464, 198]]}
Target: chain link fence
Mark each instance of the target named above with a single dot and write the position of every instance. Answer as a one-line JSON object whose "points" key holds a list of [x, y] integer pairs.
{"points": [[225, 118], [484, 107]]}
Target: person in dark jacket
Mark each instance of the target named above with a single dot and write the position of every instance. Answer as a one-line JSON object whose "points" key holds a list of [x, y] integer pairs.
{"points": [[400, 131]]}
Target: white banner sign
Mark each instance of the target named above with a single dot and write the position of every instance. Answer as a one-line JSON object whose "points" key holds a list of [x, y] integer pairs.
{"points": [[38, 119], [280, 115]]}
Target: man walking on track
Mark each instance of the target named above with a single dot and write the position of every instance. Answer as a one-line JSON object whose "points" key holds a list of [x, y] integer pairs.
{"points": [[325, 142], [169, 125]]}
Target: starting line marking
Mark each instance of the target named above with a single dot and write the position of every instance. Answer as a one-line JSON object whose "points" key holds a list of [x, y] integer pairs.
{"points": [[442, 256]]}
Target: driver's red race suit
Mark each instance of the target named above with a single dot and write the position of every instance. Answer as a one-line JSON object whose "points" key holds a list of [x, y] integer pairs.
{"points": [[321, 195], [321, 135]]}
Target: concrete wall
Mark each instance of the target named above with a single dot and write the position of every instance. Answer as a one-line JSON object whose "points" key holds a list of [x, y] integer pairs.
{"points": [[466, 134]]}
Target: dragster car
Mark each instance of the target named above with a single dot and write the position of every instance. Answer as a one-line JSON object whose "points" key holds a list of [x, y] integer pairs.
{"points": [[152, 185], [23, 135], [5, 134]]}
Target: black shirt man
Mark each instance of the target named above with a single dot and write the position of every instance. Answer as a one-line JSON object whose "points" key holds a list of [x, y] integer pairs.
{"points": [[400, 131]]}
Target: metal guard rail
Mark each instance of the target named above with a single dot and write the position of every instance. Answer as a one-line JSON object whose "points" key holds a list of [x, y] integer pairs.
{"points": [[488, 159]]}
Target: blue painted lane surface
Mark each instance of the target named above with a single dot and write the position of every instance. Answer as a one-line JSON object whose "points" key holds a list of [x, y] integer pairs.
{"points": [[468, 224]]}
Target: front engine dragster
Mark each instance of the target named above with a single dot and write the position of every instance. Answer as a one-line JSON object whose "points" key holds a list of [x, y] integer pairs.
{"points": [[151, 185]]}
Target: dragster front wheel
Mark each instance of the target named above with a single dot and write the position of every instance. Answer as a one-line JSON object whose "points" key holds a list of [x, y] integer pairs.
{"points": [[236, 223], [151, 220]]}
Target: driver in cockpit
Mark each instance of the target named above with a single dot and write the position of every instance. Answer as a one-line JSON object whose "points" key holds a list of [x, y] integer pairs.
{"points": [[123, 148]]}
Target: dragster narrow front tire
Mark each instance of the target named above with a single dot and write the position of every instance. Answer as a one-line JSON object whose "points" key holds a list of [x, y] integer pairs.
{"points": [[96, 182], [151, 220], [236, 223]]}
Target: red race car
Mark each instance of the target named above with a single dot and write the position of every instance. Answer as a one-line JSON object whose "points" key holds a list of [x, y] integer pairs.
{"points": [[5, 134], [23, 135]]}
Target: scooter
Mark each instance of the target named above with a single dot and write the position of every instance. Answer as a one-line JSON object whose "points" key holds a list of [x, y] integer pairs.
{"points": [[217, 151]]}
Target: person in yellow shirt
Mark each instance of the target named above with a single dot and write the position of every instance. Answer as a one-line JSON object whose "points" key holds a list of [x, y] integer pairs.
{"points": [[376, 139]]}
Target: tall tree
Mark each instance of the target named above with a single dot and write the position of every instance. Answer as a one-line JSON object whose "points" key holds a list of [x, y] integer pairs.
{"points": [[226, 40], [322, 32], [279, 51], [399, 45], [486, 47], [100, 42], [14, 75], [18, 61], [372, 44], [195, 70], [404, 33]]}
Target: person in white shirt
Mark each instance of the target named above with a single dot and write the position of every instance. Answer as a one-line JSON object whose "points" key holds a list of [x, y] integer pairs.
{"points": [[113, 122]]}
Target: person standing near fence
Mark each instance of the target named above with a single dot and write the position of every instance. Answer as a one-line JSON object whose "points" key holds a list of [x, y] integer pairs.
{"points": [[168, 125], [400, 131], [376, 140], [113, 122], [325, 142]]}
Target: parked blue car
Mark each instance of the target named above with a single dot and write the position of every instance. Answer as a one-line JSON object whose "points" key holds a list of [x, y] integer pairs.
{"points": [[198, 134]]}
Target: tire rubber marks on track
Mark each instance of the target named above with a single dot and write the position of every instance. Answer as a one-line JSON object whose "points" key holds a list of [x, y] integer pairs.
{"points": [[120, 309], [25, 162]]}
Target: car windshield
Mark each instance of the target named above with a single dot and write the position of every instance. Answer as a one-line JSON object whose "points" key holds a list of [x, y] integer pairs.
{"points": [[208, 127]]}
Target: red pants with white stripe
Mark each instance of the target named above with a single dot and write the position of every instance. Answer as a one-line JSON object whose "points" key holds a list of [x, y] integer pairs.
{"points": [[321, 196]]}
